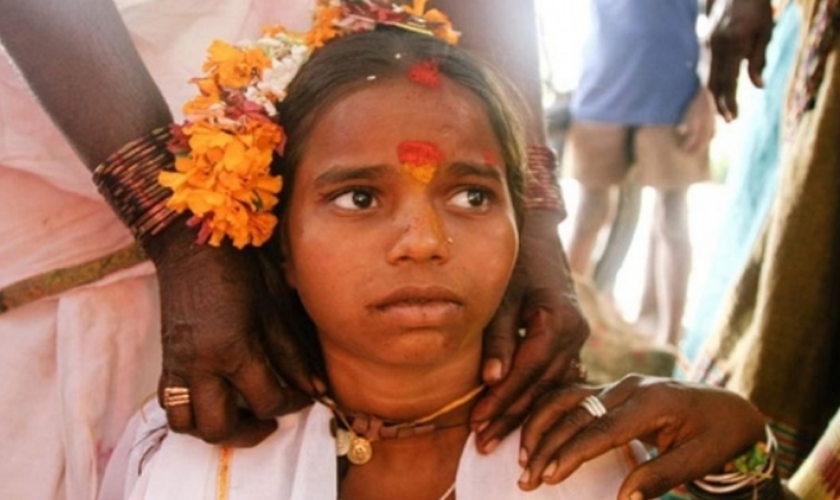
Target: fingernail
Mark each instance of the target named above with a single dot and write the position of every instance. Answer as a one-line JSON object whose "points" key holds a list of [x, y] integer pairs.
{"points": [[637, 495], [550, 470], [482, 426], [489, 447], [523, 456], [493, 371], [526, 476], [319, 385]]}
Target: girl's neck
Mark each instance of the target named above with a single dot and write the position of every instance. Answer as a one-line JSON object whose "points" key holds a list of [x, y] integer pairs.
{"points": [[400, 393]]}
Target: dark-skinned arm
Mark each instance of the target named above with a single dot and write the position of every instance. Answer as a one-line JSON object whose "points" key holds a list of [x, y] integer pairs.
{"points": [[80, 62], [695, 429], [541, 297]]}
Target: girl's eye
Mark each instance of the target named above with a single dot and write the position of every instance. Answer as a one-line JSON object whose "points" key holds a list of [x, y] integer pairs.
{"points": [[472, 198], [355, 199]]}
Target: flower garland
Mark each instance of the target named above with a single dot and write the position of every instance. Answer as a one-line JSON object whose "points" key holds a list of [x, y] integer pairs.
{"points": [[231, 129]]}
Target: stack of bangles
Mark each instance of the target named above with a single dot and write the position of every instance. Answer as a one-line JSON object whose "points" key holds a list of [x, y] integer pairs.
{"points": [[542, 191], [128, 180], [752, 475]]}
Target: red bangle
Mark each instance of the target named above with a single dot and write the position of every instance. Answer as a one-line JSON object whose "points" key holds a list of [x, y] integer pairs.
{"points": [[542, 191]]}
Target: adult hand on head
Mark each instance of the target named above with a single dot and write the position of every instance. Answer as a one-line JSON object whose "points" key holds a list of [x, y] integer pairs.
{"points": [[741, 29], [696, 430], [215, 339], [698, 124], [541, 297]]}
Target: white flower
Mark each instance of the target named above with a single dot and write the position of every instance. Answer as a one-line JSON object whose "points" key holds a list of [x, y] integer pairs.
{"points": [[253, 94], [275, 80]]}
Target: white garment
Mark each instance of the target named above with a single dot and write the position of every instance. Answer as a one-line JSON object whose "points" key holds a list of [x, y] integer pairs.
{"points": [[77, 366], [297, 462]]}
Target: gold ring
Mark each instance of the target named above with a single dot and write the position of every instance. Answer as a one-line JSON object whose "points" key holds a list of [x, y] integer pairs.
{"points": [[176, 396]]}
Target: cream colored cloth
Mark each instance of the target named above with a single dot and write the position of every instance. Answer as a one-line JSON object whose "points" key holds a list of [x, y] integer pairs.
{"points": [[77, 366], [298, 462]]}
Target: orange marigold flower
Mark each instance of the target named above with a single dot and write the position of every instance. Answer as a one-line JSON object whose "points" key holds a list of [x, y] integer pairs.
{"points": [[417, 8], [323, 27], [234, 67], [272, 31], [442, 27], [225, 147]]}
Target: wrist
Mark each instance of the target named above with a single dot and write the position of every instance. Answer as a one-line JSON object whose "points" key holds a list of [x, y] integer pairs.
{"points": [[172, 244], [542, 190], [128, 180], [752, 474]]}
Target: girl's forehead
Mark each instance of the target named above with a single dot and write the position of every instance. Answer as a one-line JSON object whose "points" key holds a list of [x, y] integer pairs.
{"points": [[384, 114]]}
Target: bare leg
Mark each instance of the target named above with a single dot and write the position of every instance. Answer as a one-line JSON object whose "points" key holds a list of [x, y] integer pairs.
{"points": [[596, 154], [589, 218], [648, 312], [673, 262]]}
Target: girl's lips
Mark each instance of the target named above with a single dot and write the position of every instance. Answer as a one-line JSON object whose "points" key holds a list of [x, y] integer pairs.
{"points": [[418, 306], [418, 296]]}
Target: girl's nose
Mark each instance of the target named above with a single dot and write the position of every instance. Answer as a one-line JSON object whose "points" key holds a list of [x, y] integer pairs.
{"points": [[419, 233]]}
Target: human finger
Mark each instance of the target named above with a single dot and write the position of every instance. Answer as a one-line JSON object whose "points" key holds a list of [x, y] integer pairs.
{"points": [[214, 409], [263, 392], [250, 430], [758, 55], [727, 44], [656, 476], [549, 409], [179, 413], [595, 424], [242, 431], [500, 340], [723, 82], [534, 371]]}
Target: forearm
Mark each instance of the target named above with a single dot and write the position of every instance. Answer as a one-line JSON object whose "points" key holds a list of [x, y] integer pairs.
{"points": [[505, 34], [79, 60]]}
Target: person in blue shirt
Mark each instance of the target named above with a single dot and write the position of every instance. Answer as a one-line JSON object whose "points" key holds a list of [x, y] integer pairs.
{"points": [[640, 108]]}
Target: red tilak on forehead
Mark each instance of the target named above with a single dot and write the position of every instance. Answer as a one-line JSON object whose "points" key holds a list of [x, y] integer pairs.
{"points": [[425, 73], [489, 158], [420, 158]]}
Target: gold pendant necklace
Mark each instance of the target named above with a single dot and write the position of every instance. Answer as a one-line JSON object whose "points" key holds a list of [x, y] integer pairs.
{"points": [[353, 439]]}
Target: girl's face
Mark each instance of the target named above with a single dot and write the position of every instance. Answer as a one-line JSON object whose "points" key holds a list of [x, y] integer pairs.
{"points": [[399, 264]]}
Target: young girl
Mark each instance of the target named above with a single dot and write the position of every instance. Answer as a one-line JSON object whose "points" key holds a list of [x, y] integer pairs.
{"points": [[398, 233]]}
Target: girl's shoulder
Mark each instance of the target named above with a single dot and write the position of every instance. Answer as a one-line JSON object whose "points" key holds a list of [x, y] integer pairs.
{"points": [[495, 476]]}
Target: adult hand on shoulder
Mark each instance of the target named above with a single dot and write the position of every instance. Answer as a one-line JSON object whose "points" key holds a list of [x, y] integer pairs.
{"points": [[698, 123], [541, 297], [696, 430], [215, 339], [741, 29]]}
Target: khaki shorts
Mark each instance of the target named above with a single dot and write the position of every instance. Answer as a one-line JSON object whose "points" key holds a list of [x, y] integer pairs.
{"points": [[600, 155]]}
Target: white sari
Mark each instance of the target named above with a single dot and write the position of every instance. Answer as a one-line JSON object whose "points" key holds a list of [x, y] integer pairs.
{"points": [[78, 365], [297, 462]]}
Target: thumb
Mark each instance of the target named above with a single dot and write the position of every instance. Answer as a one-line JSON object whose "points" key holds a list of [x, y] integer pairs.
{"points": [[688, 137], [659, 475], [500, 340]]}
